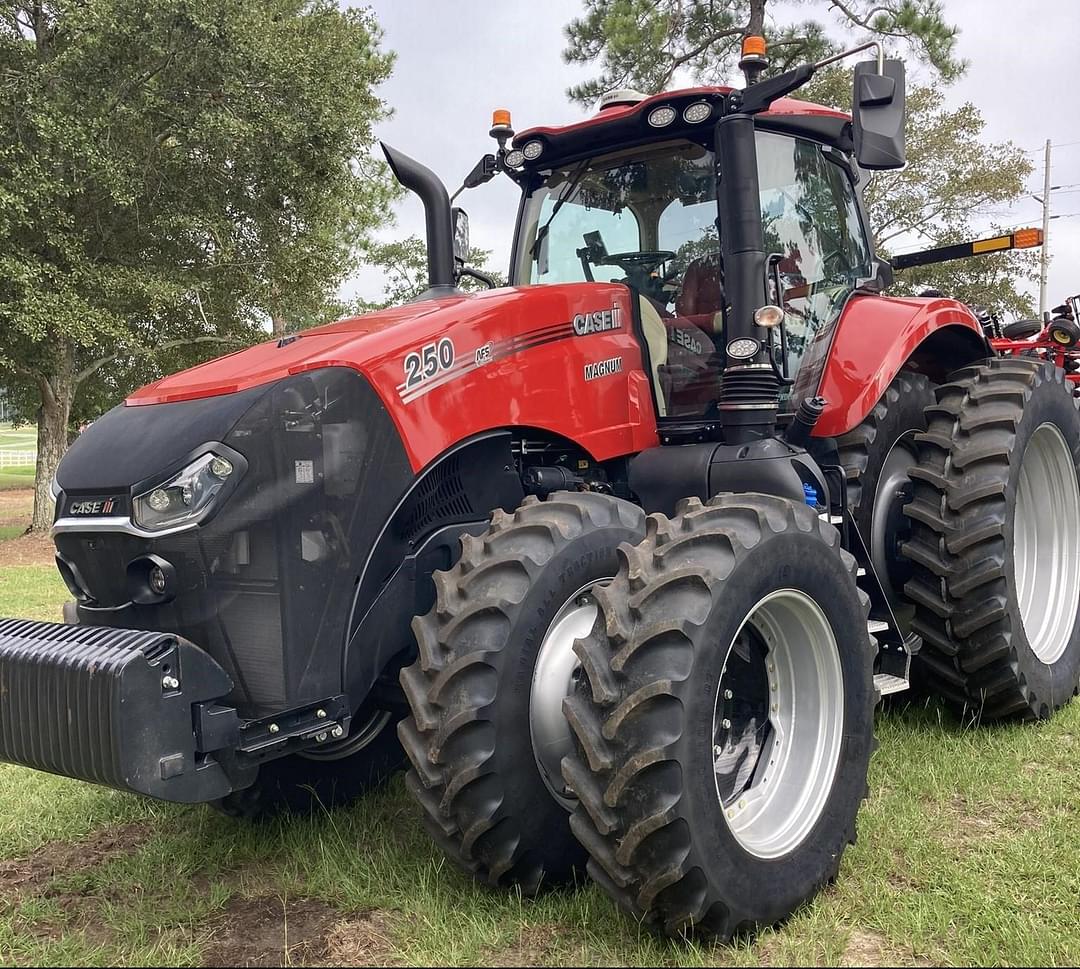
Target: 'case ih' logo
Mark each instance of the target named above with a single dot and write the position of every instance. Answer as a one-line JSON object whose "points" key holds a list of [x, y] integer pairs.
{"points": [[598, 321], [93, 506]]}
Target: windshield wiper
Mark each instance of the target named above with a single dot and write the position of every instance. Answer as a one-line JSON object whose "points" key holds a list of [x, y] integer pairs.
{"points": [[571, 188]]}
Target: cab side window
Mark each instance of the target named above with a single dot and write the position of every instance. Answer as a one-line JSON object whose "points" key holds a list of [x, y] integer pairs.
{"points": [[812, 224]]}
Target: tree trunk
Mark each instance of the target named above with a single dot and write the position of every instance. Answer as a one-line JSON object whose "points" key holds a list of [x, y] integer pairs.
{"points": [[57, 393]]}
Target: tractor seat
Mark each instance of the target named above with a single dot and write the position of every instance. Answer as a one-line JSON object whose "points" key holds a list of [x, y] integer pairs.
{"points": [[702, 296]]}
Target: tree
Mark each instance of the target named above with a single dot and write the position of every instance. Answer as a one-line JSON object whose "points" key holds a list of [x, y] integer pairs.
{"points": [[174, 176], [643, 44], [404, 266], [952, 178]]}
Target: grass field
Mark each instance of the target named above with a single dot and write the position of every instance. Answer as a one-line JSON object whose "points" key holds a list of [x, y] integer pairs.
{"points": [[17, 439], [968, 853], [22, 438]]}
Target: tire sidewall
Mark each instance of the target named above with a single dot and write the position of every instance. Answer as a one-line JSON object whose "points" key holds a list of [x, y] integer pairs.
{"points": [[580, 561], [1055, 681], [778, 885]]}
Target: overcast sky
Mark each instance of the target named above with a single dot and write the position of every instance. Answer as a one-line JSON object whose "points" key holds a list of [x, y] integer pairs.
{"points": [[459, 59]]}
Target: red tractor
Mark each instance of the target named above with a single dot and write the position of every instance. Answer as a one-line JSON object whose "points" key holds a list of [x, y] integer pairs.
{"points": [[621, 557]]}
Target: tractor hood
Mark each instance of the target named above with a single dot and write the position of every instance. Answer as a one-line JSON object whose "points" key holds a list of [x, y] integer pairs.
{"points": [[348, 343]]}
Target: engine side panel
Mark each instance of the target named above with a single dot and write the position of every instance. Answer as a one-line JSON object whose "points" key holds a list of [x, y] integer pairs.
{"points": [[563, 359], [874, 338]]}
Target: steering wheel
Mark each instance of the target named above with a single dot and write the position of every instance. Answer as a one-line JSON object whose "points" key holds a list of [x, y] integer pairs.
{"points": [[644, 262]]}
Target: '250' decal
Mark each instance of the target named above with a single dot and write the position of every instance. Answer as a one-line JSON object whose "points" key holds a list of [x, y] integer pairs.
{"points": [[428, 361]]}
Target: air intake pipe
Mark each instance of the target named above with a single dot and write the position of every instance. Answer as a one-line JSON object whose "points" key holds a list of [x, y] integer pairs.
{"points": [[440, 228]]}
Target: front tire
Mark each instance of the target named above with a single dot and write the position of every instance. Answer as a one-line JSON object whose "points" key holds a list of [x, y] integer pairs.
{"points": [[486, 735], [343, 772], [996, 541], [730, 624]]}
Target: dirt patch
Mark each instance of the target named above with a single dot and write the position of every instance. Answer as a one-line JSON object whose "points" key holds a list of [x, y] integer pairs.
{"points": [[364, 940], [535, 945], [23, 876], [865, 948], [16, 506], [271, 931], [973, 824], [27, 550]]}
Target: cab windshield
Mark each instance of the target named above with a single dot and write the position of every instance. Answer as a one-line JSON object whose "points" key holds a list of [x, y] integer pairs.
{"points": [[647, 217]]}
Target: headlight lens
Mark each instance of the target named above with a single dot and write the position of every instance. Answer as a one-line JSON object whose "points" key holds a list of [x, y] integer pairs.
{"points": [[185, 496]]}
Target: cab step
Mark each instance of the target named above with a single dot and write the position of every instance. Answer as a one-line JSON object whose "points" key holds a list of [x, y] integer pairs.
{"points": [[886, 684], [875, 626]]}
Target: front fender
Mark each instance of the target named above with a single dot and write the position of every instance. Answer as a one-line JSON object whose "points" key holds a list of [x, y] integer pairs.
{"points": [[876, 337]]}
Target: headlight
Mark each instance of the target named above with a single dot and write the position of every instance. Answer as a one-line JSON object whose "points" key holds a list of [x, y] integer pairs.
{"points": [[185, 496]]}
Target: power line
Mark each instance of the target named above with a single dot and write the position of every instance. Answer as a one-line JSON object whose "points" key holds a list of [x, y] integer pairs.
{"points": [[1036, 151]]}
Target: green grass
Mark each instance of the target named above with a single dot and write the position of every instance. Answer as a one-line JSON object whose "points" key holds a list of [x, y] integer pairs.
{"points": [[17, 439], [22, 438], [968, 853], [21, 477]]}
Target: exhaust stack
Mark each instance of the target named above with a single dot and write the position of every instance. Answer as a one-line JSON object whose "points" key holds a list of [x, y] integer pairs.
{"points": [[440, 232]]}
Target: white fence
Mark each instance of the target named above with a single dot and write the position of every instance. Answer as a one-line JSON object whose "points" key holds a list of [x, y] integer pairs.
{"points": [[17, 459]]}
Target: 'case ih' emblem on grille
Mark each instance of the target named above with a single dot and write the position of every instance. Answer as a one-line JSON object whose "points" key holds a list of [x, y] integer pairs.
{"points": [[93, 506]]}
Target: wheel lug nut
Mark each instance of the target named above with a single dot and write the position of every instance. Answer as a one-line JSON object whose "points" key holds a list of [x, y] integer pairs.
{"points": [[728, 694], [725, 723]]}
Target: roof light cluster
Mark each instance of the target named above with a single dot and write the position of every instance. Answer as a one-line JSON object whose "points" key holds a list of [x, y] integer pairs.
{"points": [[694, 113]]}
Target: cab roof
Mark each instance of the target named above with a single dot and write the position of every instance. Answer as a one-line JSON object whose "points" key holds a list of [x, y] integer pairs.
{"points": [[627, 124]]}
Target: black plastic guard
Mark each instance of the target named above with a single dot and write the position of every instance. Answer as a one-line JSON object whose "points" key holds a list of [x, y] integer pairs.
{"points": [[118, 707]]}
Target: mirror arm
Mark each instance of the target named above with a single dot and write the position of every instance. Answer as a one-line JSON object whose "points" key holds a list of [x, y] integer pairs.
{"points": [[490, 281], [856, 50]]}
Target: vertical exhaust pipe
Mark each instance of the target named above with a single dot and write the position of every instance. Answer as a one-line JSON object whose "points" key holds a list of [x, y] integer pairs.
{"points": [[439, 222]]}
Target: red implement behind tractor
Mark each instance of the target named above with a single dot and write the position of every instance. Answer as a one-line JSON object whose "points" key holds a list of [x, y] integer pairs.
{"points": [[619, 557], [1056, 339]]}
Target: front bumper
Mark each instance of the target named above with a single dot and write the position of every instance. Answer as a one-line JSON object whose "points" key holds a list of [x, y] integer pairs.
{"points": [[129, 709]]}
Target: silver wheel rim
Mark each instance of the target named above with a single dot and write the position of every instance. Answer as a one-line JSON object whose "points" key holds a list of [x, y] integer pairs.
{"points": [[553, 677], [778, 724], [1046, 544]]}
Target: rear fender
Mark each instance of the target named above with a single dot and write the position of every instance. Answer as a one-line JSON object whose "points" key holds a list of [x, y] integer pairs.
{"points": [[876, 337]]}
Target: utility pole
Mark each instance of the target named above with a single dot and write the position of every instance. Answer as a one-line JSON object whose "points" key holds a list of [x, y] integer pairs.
{"points": [[1045, 254]]}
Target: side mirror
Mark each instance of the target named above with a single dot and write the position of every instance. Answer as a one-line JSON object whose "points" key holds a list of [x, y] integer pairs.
{"points": [[878, 112], [461, 236], [882, 278]]}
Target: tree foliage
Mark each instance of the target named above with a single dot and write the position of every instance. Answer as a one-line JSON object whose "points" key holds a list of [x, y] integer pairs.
{"points": [[952, 180], [174, 175], [403, 263], [645, 44]]}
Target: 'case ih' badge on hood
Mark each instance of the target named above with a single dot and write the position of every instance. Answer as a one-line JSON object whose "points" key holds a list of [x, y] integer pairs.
{"points": [[93, 506], [599, 321]]}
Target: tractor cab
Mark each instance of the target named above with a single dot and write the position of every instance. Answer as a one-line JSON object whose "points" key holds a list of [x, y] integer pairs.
{"points": [[630, 196]]}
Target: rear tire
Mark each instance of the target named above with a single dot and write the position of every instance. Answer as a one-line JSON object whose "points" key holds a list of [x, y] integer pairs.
{"points": [[877, 457], [495, 663], [996, 541], [709, 625]]}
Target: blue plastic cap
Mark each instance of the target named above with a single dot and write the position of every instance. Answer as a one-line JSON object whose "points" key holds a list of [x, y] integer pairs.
{"points": [[810, 495]]}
